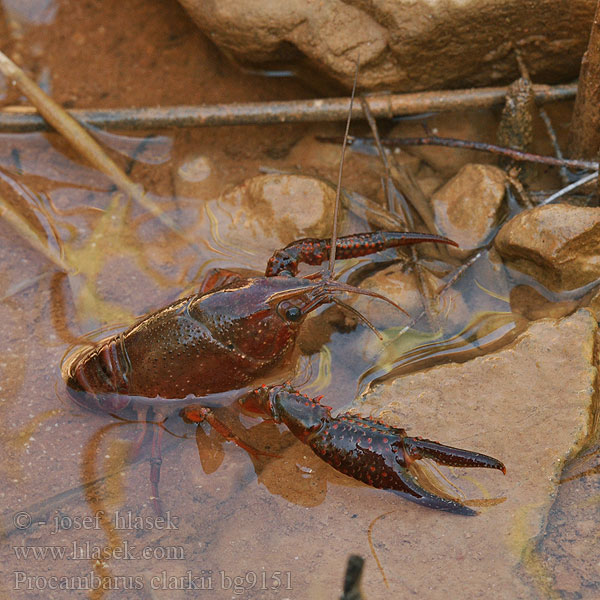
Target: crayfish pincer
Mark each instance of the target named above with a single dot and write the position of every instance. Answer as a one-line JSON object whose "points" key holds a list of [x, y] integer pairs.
{"points": [[368, 450], [231, 337]]}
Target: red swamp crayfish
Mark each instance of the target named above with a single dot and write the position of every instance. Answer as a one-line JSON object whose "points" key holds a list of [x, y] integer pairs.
{"points": [[235, 333]]}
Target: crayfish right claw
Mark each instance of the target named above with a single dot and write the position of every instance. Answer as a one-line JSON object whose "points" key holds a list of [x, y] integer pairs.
{"points": [[416, 448], [367, 450], [412, 490]]}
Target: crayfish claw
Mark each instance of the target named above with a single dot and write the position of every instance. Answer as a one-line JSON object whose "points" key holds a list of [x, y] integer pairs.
{"points": [[416, 448], [367, 450], [415, 492]]}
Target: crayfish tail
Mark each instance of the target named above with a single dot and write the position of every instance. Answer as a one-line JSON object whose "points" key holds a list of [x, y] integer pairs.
{"points": [[416, 448]]}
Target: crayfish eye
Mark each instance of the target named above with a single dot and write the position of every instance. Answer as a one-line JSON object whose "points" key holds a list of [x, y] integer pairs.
{"points": [[293, 314], [289, 312]]}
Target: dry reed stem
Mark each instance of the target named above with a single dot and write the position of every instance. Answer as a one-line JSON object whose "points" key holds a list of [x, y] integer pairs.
{"points": [[22, 227], [81, 140], [23, 119]]}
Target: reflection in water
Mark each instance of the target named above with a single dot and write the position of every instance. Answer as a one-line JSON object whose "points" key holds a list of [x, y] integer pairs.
{"points": [[487, 331], [93, 481], [150, 150], [33, 154], [280, 464], [34, 12]]}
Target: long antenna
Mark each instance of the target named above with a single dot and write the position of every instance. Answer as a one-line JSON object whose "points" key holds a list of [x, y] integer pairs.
{"points": [[338, 193]]}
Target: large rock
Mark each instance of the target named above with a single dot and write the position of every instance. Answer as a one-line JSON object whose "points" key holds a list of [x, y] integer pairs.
{"points": [[558, 245], [405, 45], [250, 221], [527, 405]]}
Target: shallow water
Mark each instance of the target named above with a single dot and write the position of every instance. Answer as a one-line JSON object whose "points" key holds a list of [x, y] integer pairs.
{"points": [[73, 505]]}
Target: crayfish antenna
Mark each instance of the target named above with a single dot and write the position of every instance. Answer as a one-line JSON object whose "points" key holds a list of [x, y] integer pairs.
{"points": [[338, 191], [358, 314], [333, 285], [322, 294]]}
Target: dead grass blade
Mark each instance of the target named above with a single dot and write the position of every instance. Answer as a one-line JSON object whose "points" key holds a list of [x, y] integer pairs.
{"points": [[82, 141], [31, 236]]}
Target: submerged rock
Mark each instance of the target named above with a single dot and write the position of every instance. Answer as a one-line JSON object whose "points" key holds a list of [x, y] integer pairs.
{"points": [[264, 213], [405, 45], [558, 245], [293, 205], [400, 284], [530, 303], [469, 206], [527, 405]]}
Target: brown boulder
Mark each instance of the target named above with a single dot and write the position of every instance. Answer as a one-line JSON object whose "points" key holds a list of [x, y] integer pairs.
{"points": [[558, 245], [405, 45]]}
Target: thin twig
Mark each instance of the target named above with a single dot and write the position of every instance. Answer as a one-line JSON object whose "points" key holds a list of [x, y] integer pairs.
{"points": [[418, 199], [523, 70], [519, 189], [480, 146], [20, 286], [557, 151], [456, 275], [568, 188], [338, 190], [25, 119], [382, 154], [352, 578], [28, 233]]}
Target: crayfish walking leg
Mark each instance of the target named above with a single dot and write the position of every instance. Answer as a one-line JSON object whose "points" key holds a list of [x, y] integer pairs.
{"points": [[365, 449]]}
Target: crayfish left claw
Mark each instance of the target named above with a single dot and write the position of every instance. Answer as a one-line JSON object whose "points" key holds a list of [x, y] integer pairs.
{"points": [[368, 450], [416, 448]]}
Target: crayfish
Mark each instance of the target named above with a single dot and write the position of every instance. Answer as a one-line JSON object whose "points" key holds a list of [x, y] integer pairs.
{"points": [[233, 335]]}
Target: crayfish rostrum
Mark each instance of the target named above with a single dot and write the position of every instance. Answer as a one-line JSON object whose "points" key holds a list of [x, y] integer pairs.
{"points": [[235, 333]]}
